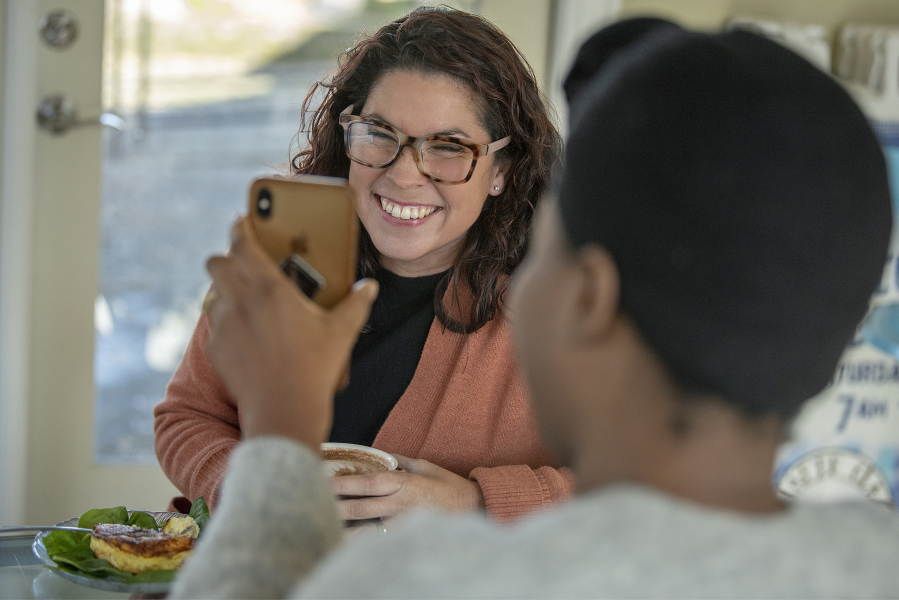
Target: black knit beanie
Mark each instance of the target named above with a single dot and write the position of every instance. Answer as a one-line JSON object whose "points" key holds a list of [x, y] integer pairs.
{"points": [[743, 196]]}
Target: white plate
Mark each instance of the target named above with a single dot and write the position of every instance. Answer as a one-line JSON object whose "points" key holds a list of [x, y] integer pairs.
{"points": [[109, 584]]}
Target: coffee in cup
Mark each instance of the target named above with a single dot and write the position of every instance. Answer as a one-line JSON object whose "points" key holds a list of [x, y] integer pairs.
{"points": [[353, 459]]}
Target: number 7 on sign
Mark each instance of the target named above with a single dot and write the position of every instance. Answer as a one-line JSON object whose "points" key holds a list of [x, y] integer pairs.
{"points": [[847, 411]]}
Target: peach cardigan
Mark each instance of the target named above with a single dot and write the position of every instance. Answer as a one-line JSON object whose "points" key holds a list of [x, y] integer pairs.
{"points": [[466, 410]]}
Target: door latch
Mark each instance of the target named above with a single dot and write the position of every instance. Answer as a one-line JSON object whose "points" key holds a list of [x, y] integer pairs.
{"points": [[57, 114]]}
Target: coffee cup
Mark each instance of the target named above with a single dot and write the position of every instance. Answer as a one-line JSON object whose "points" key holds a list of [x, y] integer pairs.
{"points": [[353, 459]]}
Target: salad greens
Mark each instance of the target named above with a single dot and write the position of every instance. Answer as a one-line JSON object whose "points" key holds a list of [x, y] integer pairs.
{"points": [[118, 515], [71, 550], [200, 513]]}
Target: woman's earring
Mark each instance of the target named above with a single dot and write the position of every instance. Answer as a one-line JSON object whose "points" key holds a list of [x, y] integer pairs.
{"points": [[496, 188]]}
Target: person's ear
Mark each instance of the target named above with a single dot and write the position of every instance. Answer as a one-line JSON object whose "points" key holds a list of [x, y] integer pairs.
{"points": [[597, 296], [498, 183]]}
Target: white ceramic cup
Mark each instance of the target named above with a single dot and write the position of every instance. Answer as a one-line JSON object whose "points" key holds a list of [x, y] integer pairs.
{"points": [[353, 459]]}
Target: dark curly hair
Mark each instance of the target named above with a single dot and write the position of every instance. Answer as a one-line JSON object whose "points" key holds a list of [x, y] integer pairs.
{"points": [[475, 53]]}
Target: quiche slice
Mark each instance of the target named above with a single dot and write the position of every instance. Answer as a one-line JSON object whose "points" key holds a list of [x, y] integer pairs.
{"points": [[135, 549]]}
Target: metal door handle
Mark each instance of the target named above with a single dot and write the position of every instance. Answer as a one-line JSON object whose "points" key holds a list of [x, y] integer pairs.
{"points": [[57, 114]]}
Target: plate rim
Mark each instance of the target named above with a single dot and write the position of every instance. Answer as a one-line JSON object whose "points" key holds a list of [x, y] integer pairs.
{"points": [[109, 585]]}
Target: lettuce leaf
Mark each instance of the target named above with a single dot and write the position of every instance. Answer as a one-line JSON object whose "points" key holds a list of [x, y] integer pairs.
{"points": [[142, 519], [116, 516], [60, 542], [153, 577], [200, 513], [82, 561]]}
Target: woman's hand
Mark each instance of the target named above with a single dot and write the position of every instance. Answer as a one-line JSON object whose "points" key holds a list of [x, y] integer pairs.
{"points": [[280, 355], [419, 484]]}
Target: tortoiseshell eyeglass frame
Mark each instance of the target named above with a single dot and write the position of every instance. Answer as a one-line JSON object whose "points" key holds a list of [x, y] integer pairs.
{"points": [[477, 150]]}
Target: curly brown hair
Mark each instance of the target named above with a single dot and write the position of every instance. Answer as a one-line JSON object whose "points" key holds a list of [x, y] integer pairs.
{"points": [[475, 53]]}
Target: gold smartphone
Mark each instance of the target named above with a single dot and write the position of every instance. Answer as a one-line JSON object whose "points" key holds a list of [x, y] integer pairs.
{"points": [[308, 225]]}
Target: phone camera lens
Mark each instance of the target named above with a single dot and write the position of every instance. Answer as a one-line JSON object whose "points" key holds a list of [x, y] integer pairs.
{"points": [[264, 204]]}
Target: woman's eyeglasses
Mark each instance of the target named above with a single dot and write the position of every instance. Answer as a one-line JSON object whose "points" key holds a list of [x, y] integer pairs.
{"points": [[442, 158]]}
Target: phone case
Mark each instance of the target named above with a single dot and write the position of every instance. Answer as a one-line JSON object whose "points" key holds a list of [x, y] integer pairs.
{"points": [[309, 221]]}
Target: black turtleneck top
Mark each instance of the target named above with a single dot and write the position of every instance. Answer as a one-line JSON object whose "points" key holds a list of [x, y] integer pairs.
{"points": [[385, 357]]}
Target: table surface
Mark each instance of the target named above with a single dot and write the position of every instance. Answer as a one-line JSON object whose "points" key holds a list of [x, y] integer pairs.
{"points": [[23, 575]]}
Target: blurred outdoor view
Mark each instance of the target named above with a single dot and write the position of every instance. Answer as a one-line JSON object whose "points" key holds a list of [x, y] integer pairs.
{"points": [[210, 91]]}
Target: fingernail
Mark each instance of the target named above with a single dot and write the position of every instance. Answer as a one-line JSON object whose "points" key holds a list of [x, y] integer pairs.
{"points": [[369, 283]]}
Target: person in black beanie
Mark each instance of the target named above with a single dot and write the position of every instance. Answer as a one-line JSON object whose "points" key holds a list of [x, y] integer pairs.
{"points": [[720, 224], [744, 198]]}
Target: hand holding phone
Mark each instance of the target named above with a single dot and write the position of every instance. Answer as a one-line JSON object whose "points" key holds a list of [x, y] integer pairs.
{"points": [[282, 384]]}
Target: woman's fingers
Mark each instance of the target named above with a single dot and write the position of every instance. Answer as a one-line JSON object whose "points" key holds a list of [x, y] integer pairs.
{"points": [[368, 508], [415, 465], [378, 495], [245, 271], [226, 286], [248, 254], [372, 484], [420, 484]]}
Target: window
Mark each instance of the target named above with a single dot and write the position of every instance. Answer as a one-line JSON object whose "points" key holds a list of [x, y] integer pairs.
{"points": [[210, 91]]}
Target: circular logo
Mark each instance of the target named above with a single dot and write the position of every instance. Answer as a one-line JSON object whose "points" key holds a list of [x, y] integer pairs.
{"points": [[834, 473]]}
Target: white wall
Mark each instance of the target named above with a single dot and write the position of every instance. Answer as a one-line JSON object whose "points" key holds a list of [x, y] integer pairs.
{"points": [[528, 24], [15, 252], [2, 70], [574, 22], [549, 33]]}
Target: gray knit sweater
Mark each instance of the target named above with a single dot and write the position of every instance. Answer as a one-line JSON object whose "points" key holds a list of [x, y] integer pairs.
{"points": [[277, 521]]}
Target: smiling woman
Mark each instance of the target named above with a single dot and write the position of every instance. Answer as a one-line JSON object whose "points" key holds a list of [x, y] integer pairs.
{"points": [[439, 125], [424, 105]]}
